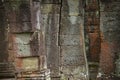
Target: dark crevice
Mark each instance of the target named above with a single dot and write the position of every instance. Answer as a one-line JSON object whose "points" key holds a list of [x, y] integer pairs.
{"points": [[60, 22]]}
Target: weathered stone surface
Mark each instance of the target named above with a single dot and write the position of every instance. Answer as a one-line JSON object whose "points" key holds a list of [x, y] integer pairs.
{"points": [[2, 24], [50, 8], [107, 57], [92, 5], [72, 7], [109, 16], [10, 46], [18, 16], [25, 45], [70, 25], [22, 38], [112, 36], [52, 39], [15, 0], [51, 1], [17, 11], [24, 13], [53, 59], [73, 73], [51, 26], [94, 45], [112, 6], [117, 67], [20, 27], [71, 56], [28, 64], [12, 56], [71, 17], [109, 25], [36, 17], [28, 47], [51, 23], [11, 15], [3, 39], [55, 78], [69, 40], [22, 50], [50, 16], [108, 20]]}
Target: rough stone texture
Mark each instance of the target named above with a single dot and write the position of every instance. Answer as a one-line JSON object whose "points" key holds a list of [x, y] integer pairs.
{"points": [[94, 47], [26, 39], [70, 25], [110, 19], [53, 60], [27, 63], [72, 7], [11, 51], [107, 57], [110, 29], [47, 21], [111, 6], [20, 27], [92, 38], [51, 16], [18, 16], [6, 67], [52, 40], [23, 16], [72, 57], [3, 41], [64, 43], [50, 8], [73, 73], [23, 45], [18, 11], [50, 1], [69, 40], [71, 17]]}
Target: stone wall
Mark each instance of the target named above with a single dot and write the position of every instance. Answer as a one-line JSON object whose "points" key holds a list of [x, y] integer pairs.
{"points": [[72, 55], [52, 29], [110, 30], [51, 33]]}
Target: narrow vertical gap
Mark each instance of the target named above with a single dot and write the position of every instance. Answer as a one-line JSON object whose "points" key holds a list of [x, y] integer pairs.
{"points": [[60, 21], [60, 14]]}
